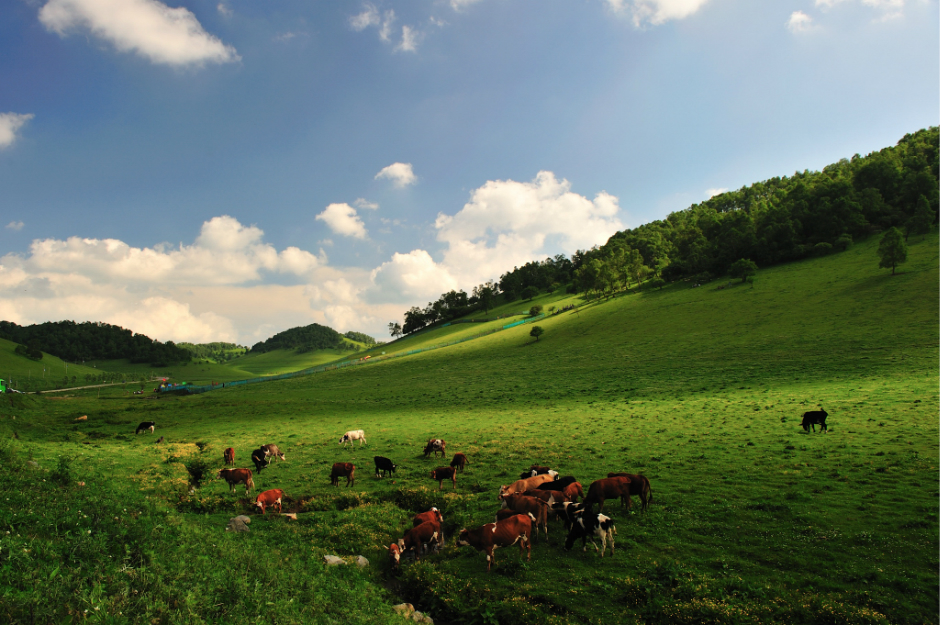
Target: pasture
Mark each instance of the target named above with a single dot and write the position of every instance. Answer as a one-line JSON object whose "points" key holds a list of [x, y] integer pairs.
{"points": [[700, 389]]}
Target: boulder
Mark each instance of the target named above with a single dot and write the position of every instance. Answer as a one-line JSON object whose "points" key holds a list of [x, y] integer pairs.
{"points": [[32, 463], [361, 562], [236, 524], [405, 609], [420, 617], [333, 560], [243, 518]]}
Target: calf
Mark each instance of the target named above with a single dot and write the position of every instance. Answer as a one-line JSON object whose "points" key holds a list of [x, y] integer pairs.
{"points": [[813, 418], [607, 488], [343, 469], [588, 525], [260, 458], [352, 436], [146, 425], [422, 538], [505, 533], [237, 476], [384, 465], [640, 486], [273, 452], [228, 456], [394, 555], [524, 504], [459, 461], [444, 473], [435, 446], [523, 485], [269, 498]]}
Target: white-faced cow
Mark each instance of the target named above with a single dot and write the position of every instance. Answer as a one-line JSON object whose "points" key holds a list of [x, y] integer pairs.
{"points": [[272, 451], [145, 426], [343, 469], [237, 476], [435, 446], [813, 418], [268, 499], [515, 529], [352, 436]]}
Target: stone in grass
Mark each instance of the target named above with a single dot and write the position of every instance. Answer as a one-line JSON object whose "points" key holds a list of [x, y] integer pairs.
{"points": [[405, 609], [33, 464], [419, 617], [361, 562], [238, 524], [333, 560]]}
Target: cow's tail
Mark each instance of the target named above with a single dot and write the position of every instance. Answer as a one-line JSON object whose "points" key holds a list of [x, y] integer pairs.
{"points": [[250, 483]]}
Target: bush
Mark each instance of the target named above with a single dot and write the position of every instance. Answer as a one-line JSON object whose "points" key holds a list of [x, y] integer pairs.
{"points": [[535, 310], [62, 474], [198, 470], [822, 249]]}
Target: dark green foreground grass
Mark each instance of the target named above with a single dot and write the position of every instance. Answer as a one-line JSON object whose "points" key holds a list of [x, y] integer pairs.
{"points": [[752, 520]]}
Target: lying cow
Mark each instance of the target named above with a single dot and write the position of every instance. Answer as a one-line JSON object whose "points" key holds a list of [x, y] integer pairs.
{"points": [[435, 446], [146, 425], [272, 451], [505, 533], [588, 526], [537, 470], [353, 435], [813, 418], [444, 473], [607, 488], [384, 465], [459, 461], [260, 459], [537, 509], [228, 456], [523, 485], [269, 498], [639, 486], [343, 469], [237, 476], [422, 539]]}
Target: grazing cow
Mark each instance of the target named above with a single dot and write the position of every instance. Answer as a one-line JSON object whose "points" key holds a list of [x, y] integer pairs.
{"points": [[160, 440], [459, 461], [568, 512], [434, 446], [269, 498], [273, 452], [639, 486], [343, 469], [523, 485], [237, 476], [607, 488], [573, 491], [813, 418], [444, 473], [260, 458], [505, 533], [394, 555], [504, 513], [146, 425], [422, 538], [524, 504], [559, 483], [353, 435], [431, 515], [384, 465], [587, 526], [228, 456]]}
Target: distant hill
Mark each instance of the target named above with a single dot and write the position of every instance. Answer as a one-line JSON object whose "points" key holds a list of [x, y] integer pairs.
{"points": [[219, 352], [311, 337]]}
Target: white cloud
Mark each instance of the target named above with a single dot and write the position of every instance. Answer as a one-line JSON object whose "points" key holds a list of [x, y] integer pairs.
{"points": [[655, 12], [368, 17], [459, 5], [713, 192], [799, 22], [410, 278], [343, 219], [224, 10], [15, 226], [9, 124], [401, 174], [364, 203], [385, 32], [409, 40], [164, 35]]}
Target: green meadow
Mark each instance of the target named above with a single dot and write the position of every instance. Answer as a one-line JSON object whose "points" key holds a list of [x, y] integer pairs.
{"points": [[701, 389]]}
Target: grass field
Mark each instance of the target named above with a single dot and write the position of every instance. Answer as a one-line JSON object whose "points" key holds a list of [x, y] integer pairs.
{"points": [[701, 389]]}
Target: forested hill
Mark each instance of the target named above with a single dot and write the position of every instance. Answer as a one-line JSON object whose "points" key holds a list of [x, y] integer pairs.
{"points": [[304, 339], [92, 340]]}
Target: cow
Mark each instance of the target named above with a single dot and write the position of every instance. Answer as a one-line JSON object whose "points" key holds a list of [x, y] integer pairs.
{"points": [[434, 446], [537, 470], [422, 538], [505, 533], [587, 526], [459, 461], [504, 513], [639, 486], [574, 491], [559, 483], [260, 458], [384, 465], [269, 498], [394, 555], [353, 435], [813, 418], [343, 469], [523, 485], [237, 476], [607, 488], [524, 504], [431, 515], [444, 473], [568, 512], [146, 425], [228, 456], [273, 451]]}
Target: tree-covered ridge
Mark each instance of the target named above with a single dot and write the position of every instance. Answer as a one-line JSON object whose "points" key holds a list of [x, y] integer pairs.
{"points": [[365, 339], [302, 339], [92, 340], [217, 351]]}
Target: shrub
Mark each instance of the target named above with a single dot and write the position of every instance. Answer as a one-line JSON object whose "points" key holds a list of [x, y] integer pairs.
{"points": [[535, 310], [62, 474], [198, 470]]}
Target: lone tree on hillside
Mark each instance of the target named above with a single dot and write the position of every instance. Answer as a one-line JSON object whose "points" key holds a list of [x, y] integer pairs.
{"points": [[394, 328], [536, 331], [742, 269], [535, 310], [892, 249]]}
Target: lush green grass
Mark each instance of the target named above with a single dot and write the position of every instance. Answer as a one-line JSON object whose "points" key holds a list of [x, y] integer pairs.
{"points": [[28, 374], [701, 389]]}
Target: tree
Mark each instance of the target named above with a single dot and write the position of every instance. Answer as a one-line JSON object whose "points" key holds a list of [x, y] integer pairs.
{"points": [[529, 292], [922, 219], [535, 310], [892, 249], [394, 328], [742, 269], [536, 331], [486, 295]]}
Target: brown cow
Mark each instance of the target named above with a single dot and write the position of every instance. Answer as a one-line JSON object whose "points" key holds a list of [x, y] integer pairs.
{"points": [[272, 450], [523, 504], [269, 498], [434, 446], [422, 538], [607, 488], [503, 533], [520, 486], [573, 491], [343, 469], [459, 461], [228, 456], [431, 515], [237, 476], [639, 486], [394, 555], [444, 473]]}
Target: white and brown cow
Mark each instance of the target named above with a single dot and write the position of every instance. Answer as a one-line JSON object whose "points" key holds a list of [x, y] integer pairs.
{"points": [[505, 533], [520, 486], [422, 539], [523, 504], [272, 451], [435, 446], [352, 436], [268, 499]]}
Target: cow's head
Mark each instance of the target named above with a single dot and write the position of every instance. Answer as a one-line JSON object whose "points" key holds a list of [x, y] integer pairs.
{"points": [[462, 538], [394, 554], [344, 439], [259, 506]]}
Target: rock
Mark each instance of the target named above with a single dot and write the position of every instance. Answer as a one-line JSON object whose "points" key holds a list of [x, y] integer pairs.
{"points": [[361, 562], [33, 464], [333, 560], [420, 617], [242, 518], [405, 609], [291, 516], [236, 525]]}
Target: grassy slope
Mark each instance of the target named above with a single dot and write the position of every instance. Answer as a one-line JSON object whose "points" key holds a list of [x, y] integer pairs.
{"points": [[701, 389], [29, 373]]}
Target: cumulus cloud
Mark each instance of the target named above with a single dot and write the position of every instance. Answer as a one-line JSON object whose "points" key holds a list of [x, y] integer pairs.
{"points": [[164, 35], [411, 277], [364, 203], [401, 174], [385, 32], [15, 226], [343, 219], [799, 22], [655, 12], [371, 17], [459, 5], [368, 17], [10, 123]]}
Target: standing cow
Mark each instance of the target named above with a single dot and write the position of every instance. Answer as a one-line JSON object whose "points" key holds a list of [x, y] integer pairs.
{"points": [[515, 529], [237, 476], [444, 473], [229, 456], [269, 498], [343, 469], [383, 465], [273, 452], [352, 436], [146, 425], [260, 458], [459, 461], [813, 418], [435, 446]]}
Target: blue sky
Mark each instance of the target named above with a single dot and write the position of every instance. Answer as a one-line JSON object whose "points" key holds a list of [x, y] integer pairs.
{"points": [[206, 170]]}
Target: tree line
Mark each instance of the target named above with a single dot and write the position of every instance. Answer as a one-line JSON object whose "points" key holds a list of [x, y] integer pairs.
{"points": [[312, 337]]}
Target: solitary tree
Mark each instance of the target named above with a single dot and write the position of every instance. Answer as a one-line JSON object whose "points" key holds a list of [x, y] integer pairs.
{"points": [[394, 328], [536, 331], [742, 269], [892, 249], [535, 310]]}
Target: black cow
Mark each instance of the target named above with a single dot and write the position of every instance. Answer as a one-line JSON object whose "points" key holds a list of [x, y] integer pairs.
{"points": [[559, 484], [146, 425], [260, 458], [815, 417], [384, 465]]}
